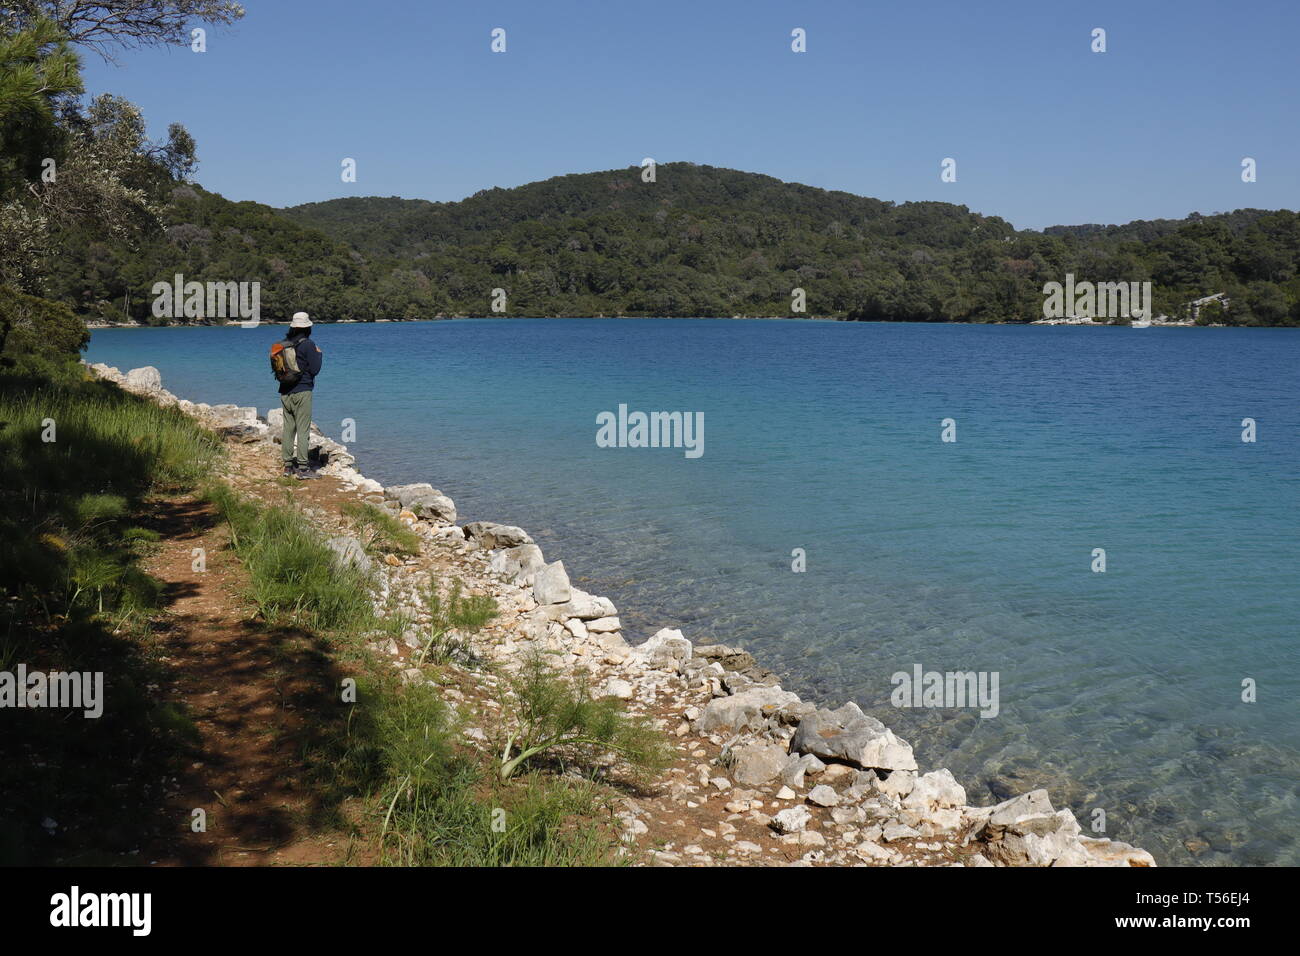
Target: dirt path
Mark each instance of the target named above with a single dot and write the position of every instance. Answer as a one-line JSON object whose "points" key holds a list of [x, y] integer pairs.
{"points": [[261, 702]]}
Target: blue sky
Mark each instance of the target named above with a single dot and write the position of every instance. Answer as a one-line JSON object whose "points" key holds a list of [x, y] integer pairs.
{"points": [[1043, 130]]}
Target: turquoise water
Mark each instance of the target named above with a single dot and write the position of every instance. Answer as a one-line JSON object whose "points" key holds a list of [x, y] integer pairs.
{"points": [[1118, 690]]}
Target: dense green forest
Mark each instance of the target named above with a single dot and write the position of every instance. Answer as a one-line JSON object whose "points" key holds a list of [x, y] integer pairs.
{"points": [[706, 241], [124, 213], [697, 241]]}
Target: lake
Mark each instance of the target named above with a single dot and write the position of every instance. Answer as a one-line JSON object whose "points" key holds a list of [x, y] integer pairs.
{"points": [[1120, 690]]}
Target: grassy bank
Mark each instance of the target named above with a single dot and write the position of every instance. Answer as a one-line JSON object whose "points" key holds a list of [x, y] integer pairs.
{"points": [[80, 460], [398, 748], [98, 481]]}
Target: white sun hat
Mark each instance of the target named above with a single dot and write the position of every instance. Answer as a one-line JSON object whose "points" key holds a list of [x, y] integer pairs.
{"points": [[300, 321]]}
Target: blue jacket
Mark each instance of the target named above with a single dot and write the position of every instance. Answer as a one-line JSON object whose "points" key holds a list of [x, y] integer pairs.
{"points": [[309, 361]]}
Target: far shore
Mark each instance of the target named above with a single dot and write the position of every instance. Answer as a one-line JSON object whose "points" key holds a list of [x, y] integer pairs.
{"points": [[95, 324]]}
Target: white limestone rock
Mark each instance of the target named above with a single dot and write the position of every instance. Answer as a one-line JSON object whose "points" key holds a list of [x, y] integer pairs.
{"points": [[583, 606], [1036, 803], [935, 790], [792, 820], [348, 551], [1024, 831], [823, 796], [755, 764], [424, 500], [899, 831], [748, 710], [518, 564], [616, 687], [551, 584], [1114, 853], [145, 379], [850, 735], [491, 535], [667, 646], [797, 765]]}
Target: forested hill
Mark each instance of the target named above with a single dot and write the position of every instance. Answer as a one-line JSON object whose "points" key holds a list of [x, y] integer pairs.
{"points": [[209, 238], [706, 241], [738, 208], [698, 241]]}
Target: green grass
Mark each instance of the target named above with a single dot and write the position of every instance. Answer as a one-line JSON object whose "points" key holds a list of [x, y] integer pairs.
{"points": [[560, 719], [80, 460], [379, 532], [294, 576], [431, 801], [453, 616], [439, 806]]}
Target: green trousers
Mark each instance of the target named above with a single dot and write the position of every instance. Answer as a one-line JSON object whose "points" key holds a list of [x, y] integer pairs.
{"points": [[297, 428]]}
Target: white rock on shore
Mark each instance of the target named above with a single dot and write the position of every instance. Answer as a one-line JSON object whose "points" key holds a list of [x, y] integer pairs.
{"points": [[146, 379], [424, 501], [551, 585], [518, 564], [490, 535]]}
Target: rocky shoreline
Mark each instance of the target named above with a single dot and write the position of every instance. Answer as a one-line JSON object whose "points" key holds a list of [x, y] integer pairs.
{"points": [[764, 778]]}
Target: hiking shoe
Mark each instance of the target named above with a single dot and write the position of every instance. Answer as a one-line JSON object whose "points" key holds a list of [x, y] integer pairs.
{"points": [[303, 474], [290, 471]]}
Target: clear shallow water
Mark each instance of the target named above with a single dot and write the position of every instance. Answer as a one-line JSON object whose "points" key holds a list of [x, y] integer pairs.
{"points": [[1118, 690]]}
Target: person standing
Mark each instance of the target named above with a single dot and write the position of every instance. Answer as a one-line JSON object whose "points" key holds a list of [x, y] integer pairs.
{"points": [[295, 398]]}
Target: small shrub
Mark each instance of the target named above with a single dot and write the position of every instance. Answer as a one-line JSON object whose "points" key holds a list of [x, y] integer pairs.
{"points": [[379, 531], [452, 619], [561, 717], [440, 809]]}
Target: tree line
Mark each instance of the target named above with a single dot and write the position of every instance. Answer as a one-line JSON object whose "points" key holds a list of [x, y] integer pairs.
{"points": [[700, 240]]}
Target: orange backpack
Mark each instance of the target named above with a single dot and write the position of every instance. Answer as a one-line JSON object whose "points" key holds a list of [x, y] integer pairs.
{"points": [[284, 362]]}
